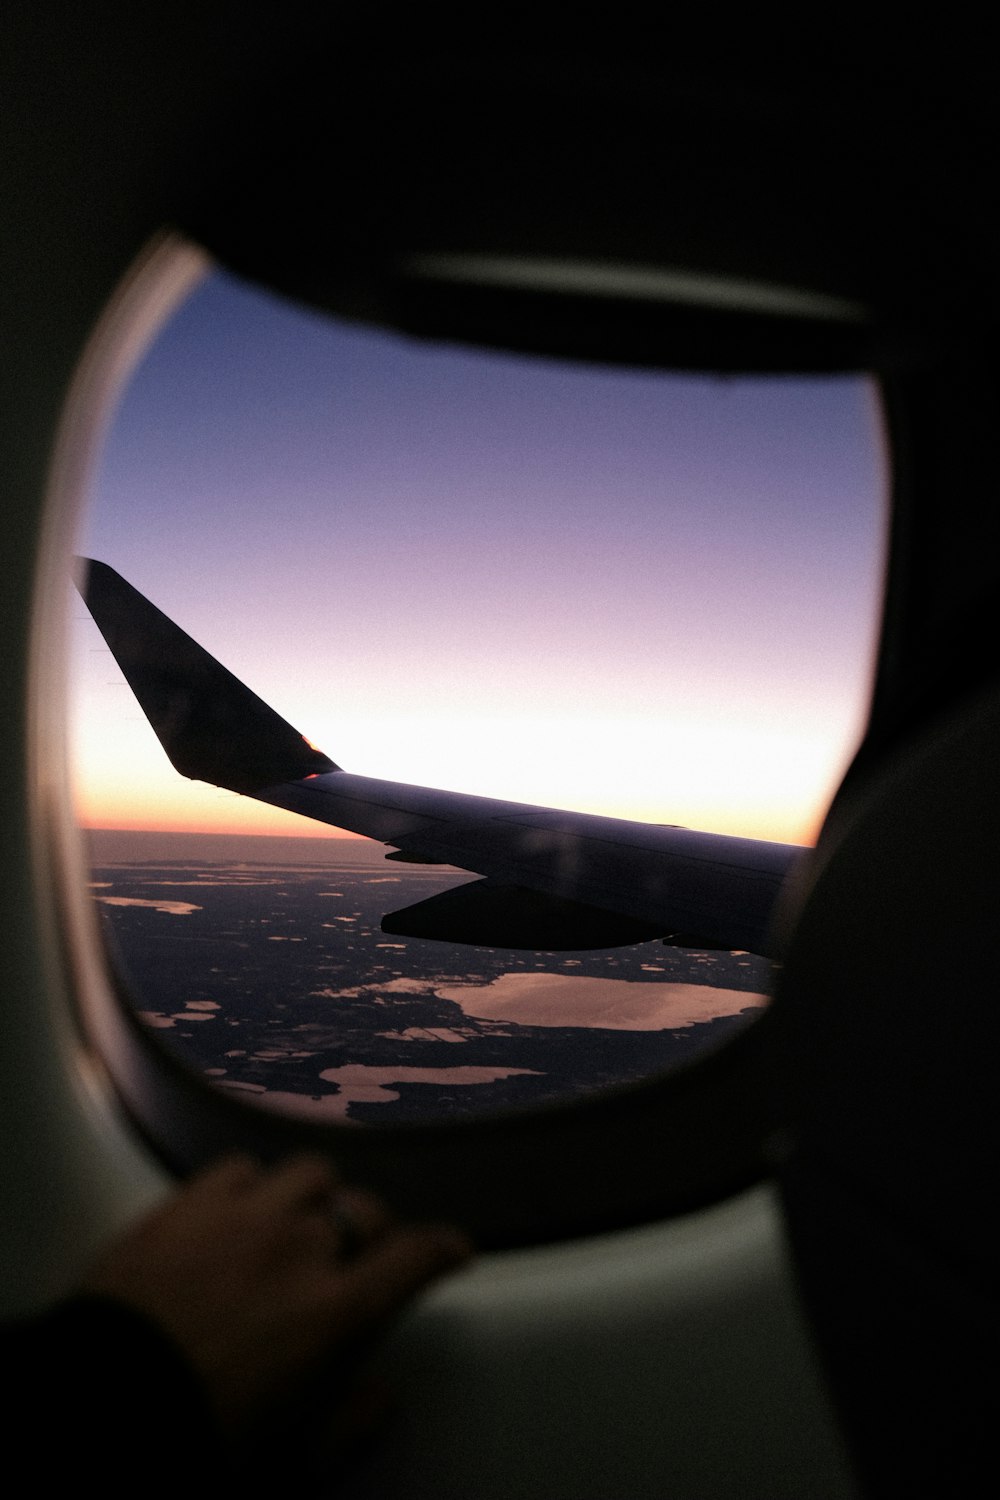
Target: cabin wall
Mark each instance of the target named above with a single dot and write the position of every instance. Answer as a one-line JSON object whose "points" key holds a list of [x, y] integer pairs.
{"points": [[671, 1359]]}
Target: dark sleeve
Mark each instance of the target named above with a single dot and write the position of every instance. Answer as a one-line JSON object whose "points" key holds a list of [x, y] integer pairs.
{"points": [[98, 1392]]}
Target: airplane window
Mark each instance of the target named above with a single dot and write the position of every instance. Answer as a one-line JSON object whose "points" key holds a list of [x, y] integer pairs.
{"points": [[646, 598]]}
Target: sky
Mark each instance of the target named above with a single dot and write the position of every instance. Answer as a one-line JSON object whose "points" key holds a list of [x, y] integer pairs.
{"points": [[645, 595]]}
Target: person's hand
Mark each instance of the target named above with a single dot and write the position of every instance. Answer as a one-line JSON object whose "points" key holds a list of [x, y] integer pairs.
{"points": [[267, 1278]]}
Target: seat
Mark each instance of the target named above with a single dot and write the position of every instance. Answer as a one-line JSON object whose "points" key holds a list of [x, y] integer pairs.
{"points": [[884, 1043]]}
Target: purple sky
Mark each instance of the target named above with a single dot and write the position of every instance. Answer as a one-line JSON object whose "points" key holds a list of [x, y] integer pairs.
{"points": [[647, 595]]}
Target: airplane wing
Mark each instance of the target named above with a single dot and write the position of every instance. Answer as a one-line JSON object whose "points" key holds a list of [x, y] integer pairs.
{"points": [[551, 879]]}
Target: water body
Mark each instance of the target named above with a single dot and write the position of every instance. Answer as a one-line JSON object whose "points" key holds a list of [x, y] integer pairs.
{"points": [[274, 979]]}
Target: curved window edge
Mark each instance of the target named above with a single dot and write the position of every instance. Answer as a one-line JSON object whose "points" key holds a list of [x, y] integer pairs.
{"points": [[639, 1152]]}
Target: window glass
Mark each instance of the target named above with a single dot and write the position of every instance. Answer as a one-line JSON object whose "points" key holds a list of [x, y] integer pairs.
{"points": [[645, 596]]}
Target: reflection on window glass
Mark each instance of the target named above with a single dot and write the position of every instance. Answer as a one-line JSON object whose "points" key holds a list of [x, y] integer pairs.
{"points": [[644, 596]]}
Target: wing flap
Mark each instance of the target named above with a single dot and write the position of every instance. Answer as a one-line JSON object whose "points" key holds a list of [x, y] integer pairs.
{"points": [[511, 916]]}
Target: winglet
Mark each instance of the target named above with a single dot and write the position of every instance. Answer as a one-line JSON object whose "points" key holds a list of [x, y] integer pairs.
{"points": [[211, 725]]}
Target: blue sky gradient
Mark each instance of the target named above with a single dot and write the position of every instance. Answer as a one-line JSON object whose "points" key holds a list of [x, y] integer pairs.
{"points": [[653, 596]]}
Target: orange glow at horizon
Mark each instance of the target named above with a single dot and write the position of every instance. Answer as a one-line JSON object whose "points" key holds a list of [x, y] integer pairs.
{"points": [[766, 776], [296, 827], [201, 809]]}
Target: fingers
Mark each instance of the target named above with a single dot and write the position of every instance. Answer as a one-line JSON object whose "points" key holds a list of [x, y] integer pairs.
{"points": [[264, 1276], [303, 1197], [359, 1218], [301, 1182], [393, 1268], [307, 1186], [229, 1176], [376, 1263]]}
